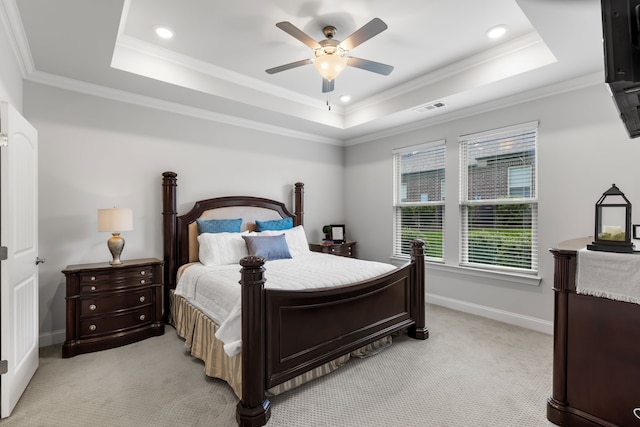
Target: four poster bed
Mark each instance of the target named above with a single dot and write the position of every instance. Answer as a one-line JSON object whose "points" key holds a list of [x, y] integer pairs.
{"points": [[288, 336]]}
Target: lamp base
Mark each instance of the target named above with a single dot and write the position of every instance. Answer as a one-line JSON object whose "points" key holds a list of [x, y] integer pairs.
{"points": [[623, 249], [115, 245]]}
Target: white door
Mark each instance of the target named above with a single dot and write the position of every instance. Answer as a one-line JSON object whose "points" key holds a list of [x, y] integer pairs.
{"points": [[19, 326]]}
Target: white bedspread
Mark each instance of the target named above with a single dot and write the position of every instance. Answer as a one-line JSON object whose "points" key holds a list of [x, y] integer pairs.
{"points": [[215, 289]]}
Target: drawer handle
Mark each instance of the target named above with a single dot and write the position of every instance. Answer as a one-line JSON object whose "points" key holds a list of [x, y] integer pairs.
{"points": [[142, 298], [92, 327], [92, 307], [142, 272], [93, 277], [93, 288], [142, 281], [142, 317]]}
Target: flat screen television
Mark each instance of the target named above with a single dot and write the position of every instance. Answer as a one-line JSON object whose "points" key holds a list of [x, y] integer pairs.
{"points": [[620, 26]]}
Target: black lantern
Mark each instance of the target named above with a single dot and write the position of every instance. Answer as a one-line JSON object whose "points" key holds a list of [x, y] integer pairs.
{"points": [[613, 223]]}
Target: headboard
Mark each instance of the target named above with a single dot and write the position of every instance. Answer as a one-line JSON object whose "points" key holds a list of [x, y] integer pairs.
{"points": [[180, 232]]}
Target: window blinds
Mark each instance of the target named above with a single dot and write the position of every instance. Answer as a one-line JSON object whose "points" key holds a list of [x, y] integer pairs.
{"points": [[419, 193], [498, 198]]}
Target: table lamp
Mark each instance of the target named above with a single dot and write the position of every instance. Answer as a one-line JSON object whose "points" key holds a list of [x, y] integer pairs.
{"points": [[115, 220]]}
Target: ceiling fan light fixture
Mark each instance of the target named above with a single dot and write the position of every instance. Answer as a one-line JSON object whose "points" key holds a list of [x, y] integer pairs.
{"points": [[329, 65]]}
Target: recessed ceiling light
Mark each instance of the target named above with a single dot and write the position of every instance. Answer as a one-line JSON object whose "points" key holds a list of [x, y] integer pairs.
{"points": [[163, 32], [345, 98], [497, 31]]}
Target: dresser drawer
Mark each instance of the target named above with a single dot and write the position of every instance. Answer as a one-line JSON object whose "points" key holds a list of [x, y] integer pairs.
{"points": [[92, 326], [115, 302], [117, 279]]}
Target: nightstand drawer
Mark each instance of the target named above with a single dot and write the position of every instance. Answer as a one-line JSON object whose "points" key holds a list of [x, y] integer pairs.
{"points": [[346, 249], [117, 279], [112, 303], [343, 250], [109, 324]]}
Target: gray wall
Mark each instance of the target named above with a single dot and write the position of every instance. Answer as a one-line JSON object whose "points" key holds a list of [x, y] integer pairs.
{"points": [[583, 149], [97, 153]]}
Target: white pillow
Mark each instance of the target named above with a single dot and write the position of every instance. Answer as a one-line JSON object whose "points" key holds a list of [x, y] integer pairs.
{"points": [[222, 248], [296, 239]]}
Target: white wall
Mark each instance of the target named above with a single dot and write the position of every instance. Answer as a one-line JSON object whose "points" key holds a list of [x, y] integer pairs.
{"points": [[583, 149], [10, 75], [97, 153]]}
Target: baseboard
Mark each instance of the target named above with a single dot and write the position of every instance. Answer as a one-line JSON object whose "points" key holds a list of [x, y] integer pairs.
{"points": [[511, 318], [52, 338]]}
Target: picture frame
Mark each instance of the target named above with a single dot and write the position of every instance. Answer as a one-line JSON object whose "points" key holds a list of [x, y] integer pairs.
{"points": [[636, 231], [338, 233]]}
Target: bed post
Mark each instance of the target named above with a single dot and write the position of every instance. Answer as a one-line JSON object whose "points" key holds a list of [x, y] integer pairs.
{"points": [[418, 330], [169, 184], [254, 409], [298, 208]]}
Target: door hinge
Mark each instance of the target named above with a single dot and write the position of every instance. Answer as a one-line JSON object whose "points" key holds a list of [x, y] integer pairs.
{"points": [[4, 140], [3, 253], [4, 367]]}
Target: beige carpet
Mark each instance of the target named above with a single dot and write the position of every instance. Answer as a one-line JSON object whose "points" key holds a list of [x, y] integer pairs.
{"points": [[471, 372]]}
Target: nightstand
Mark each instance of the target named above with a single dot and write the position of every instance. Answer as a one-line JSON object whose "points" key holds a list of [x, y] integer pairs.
{"points": [[109, 306], [346, 249]]}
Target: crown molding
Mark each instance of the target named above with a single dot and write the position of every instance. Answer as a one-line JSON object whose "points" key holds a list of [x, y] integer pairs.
{"points": [[53, 80], [11, 21], [570, 85], [526, 41], [149, 49]]}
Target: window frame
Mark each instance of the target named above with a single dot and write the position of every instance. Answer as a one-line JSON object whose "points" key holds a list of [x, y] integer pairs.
{"points": [[400, 189], [465, 202]]}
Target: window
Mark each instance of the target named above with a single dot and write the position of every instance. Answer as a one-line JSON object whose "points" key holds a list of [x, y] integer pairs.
{"points": [[419, 198], [520, 181], [498, 199]]}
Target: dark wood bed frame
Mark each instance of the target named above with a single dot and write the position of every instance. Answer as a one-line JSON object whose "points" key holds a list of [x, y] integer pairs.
{"points": [[596, 355], [286, 333]]}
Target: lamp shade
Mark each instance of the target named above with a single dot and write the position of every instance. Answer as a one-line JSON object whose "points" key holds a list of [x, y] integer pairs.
{"points": [[330, 65], [115, 219]]}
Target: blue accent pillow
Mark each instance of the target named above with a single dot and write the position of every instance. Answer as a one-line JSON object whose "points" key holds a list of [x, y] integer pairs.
{"points": [[275, 224], [268, 247], [219, 225]]}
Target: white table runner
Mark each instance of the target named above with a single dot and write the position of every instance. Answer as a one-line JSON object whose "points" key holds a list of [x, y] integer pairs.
{"points": [[609, 275]]}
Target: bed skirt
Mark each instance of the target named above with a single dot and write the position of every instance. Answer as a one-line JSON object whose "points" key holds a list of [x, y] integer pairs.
{"points": [[198, 331]]}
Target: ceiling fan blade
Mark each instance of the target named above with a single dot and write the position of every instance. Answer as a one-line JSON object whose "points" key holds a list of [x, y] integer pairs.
{"points": [[368, 30], [294, 31], [327, 85], [373, 66], [289, 66]]}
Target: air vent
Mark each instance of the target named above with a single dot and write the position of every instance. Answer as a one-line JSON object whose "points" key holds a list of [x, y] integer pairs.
{"points": [[428, 107]]}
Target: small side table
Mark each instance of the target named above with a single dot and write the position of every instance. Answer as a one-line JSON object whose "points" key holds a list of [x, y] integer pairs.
{"points": [[110, 306], [346, 249]]}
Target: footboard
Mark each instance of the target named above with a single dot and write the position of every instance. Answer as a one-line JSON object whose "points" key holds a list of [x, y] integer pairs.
{"points": [[308, 328], [286, 333]]}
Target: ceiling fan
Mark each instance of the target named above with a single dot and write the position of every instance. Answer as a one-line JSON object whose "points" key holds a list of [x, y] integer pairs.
{"points": [[330, 56]]}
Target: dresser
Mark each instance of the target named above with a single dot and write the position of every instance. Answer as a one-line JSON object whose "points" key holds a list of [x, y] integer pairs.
{"points": [[346, 249], [595, 352], [109, 306]]}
